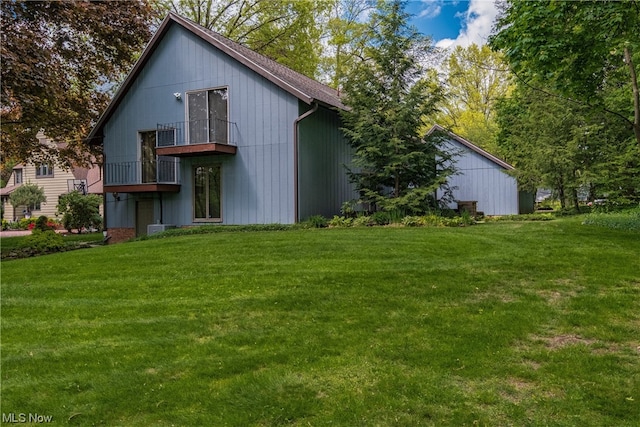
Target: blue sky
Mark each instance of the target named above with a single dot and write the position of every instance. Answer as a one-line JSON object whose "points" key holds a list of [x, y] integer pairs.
{"points": [[454, 22]]}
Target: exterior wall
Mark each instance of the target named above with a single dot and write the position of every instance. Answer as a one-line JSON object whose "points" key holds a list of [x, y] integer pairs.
{"points": [[257, 182], [118, 235], [53, 186], [323, 153], [484, 181]]}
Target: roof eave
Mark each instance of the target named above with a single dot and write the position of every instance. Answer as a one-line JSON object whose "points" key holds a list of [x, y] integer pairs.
{"points": [[96, 133], [472, 147]]}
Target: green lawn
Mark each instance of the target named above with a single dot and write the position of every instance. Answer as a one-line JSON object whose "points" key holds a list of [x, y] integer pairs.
{"points": [[495, 324]]}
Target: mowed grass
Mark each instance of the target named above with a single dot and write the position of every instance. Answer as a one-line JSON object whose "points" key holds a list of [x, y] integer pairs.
{"points": [[496, 324]]}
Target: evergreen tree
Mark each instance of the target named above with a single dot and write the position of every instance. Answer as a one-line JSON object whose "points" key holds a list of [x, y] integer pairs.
{"points": [[389, 94]]}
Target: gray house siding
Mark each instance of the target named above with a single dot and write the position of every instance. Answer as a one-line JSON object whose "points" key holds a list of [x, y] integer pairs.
{"points": [[482, 180], [323, 152], [257, 182]]}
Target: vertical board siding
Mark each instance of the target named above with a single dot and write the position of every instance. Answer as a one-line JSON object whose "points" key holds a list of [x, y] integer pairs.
{"points": [[257, 182], [323, 153], [479, 179]]}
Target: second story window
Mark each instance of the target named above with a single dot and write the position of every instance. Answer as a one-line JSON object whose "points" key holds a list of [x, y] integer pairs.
{"points": [[44, 171], [208, 116], [17, 176]]}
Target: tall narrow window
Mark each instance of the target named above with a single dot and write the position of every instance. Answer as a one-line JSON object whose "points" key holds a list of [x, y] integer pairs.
{"points": [[17, 176], [148, 161], [208, 116], [206, 196]]}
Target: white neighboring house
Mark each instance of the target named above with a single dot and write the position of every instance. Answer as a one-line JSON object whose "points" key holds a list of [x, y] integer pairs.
{"points": [[55, 181], [482, 180]]}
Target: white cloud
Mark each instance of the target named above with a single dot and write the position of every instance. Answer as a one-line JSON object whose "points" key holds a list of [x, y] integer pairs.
{"points": [[477, 23], [432, 8]]}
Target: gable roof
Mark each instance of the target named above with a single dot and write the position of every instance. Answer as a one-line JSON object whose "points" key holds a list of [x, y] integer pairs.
{"points": [[471, 146], [302, 87]]}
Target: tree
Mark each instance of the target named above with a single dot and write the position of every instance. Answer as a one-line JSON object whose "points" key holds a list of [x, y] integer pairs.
{"points": [[567, 147], [58, 60], [583, 48], [389, 94], [476, 78], [28, 195], [346, 37], [80, 211], [287, 31]]}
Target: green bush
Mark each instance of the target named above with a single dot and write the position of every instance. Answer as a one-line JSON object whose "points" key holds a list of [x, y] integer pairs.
{"points": [[523, 217], [340, 221], [626, 220], [80, 211], [362, 221], [317, 221], [44, 241], [413, 221], [43, 223]]}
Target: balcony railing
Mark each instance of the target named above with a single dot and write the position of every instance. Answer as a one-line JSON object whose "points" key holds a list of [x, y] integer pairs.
{"points": [[214, 131], [165, 170]]}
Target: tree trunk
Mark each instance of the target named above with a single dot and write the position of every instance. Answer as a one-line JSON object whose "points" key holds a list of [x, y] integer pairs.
{"points": [[636, 92]]}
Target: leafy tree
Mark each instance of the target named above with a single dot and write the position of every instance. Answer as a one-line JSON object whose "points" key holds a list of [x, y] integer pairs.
{"points": [[581, 48], [80, 211], [476, 78], [566, 147], [389, 94], [58, 59], [286, 31], [346, 37], [28, 195]]}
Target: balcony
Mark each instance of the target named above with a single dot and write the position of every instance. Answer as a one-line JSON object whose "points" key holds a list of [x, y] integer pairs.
{"points": [[197, 137], [163, 174]]}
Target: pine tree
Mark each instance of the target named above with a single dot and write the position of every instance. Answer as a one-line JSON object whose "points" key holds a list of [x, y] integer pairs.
{"points": [[389, 94]]}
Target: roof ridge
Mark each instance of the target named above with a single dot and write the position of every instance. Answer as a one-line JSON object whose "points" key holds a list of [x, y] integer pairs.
{"points": [[274, 68]]}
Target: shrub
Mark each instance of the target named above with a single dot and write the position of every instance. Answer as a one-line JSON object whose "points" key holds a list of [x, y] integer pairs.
{"points": [[5, 224], [80, 211], [43, 223], [626, 220], [413, 221], [362, 221], [381, 218], [44, 241], [340, 221], [317, 221], [26, 224]]}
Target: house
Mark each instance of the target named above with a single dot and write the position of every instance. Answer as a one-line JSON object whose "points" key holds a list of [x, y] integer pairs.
{"points": [[482, 183], [55, 181], [206, 131]]}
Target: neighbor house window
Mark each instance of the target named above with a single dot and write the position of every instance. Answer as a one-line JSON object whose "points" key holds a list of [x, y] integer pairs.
{"points": [[206, 193], [44, 171], [17, 176], [208, 116]]}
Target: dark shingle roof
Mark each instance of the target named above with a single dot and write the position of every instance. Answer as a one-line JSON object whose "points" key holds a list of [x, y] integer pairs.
{"points": [[304, 88]]}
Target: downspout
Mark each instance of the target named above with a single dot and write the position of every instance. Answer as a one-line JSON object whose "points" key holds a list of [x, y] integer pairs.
{"points": [[295, 158], [105, 230]]}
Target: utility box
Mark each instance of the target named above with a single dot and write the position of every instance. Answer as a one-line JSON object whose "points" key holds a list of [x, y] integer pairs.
{"points": [[157, 228]]}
